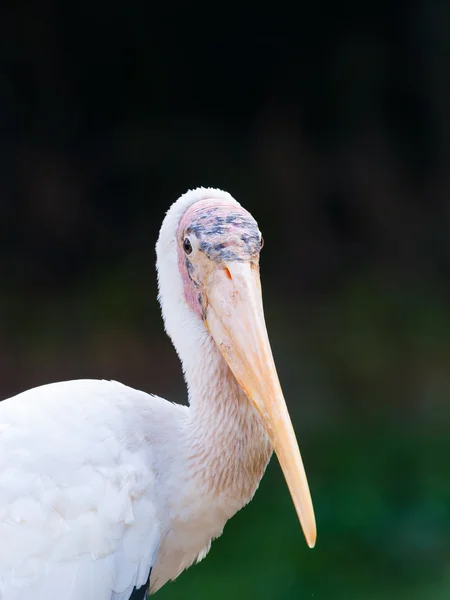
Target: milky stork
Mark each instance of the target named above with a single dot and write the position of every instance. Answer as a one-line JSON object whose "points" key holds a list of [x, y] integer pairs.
{"points": [[107, 492]]}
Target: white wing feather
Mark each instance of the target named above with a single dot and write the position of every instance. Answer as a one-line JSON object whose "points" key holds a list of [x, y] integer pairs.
{"points": [[79, 515]]}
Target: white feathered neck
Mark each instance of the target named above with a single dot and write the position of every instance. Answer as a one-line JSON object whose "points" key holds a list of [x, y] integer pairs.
{"points": [[184, 328], [229, 448]]}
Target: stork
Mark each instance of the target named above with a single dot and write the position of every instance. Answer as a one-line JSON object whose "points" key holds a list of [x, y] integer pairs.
{"points": [[107, 492]]}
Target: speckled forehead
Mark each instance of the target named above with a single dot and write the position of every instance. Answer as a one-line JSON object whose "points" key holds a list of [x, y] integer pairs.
{"points": [[224, 230], [214, 216]]}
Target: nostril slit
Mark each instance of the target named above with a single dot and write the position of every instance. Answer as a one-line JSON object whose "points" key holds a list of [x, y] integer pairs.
{"points": [[227, 273]]}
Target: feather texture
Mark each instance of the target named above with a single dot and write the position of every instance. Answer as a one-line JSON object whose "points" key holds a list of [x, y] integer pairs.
{"points": [[79, 506]]}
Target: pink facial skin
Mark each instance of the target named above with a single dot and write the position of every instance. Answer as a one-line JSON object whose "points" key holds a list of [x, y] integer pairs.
{"points": [[222, 231]]}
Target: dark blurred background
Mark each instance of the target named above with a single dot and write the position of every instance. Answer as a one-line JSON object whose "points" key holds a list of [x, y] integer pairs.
{"points": [[331, 124]]}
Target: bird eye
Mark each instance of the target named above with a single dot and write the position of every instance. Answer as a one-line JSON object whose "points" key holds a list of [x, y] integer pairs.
{"points": [[187, 246], [261, 241]]}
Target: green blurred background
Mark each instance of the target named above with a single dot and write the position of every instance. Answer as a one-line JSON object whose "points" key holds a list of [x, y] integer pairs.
{"points": [[331, 124]]}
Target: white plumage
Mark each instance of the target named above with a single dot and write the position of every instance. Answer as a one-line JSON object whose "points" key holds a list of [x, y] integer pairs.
{"points": [[99, 483]]}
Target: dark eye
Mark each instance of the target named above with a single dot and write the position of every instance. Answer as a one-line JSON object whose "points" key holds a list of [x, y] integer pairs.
{"points": [[261, 241], [187, 246]]}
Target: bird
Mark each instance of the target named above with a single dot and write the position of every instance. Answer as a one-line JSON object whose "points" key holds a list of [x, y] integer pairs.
{"points": [[108, 492]]}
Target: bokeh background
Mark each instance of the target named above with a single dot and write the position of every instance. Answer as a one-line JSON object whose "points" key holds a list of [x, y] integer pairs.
{"points": [[330, 122]]}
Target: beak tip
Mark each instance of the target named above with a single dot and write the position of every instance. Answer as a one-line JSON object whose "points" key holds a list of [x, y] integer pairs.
{"points": [[311, 536]]}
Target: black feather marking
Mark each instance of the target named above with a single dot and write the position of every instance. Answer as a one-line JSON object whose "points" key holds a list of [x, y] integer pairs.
{"points": [[197, 229], [190, 269], [242, 237], [141, 592]]}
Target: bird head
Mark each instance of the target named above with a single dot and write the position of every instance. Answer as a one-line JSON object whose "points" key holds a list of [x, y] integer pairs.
{"points": [[216, 244]]}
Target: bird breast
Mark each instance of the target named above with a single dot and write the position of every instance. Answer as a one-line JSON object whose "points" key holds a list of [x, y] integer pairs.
{"points": [[220, 477]]}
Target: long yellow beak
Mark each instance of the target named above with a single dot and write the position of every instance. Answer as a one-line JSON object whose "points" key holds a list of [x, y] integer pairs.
{"points": [[235, 319]]}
